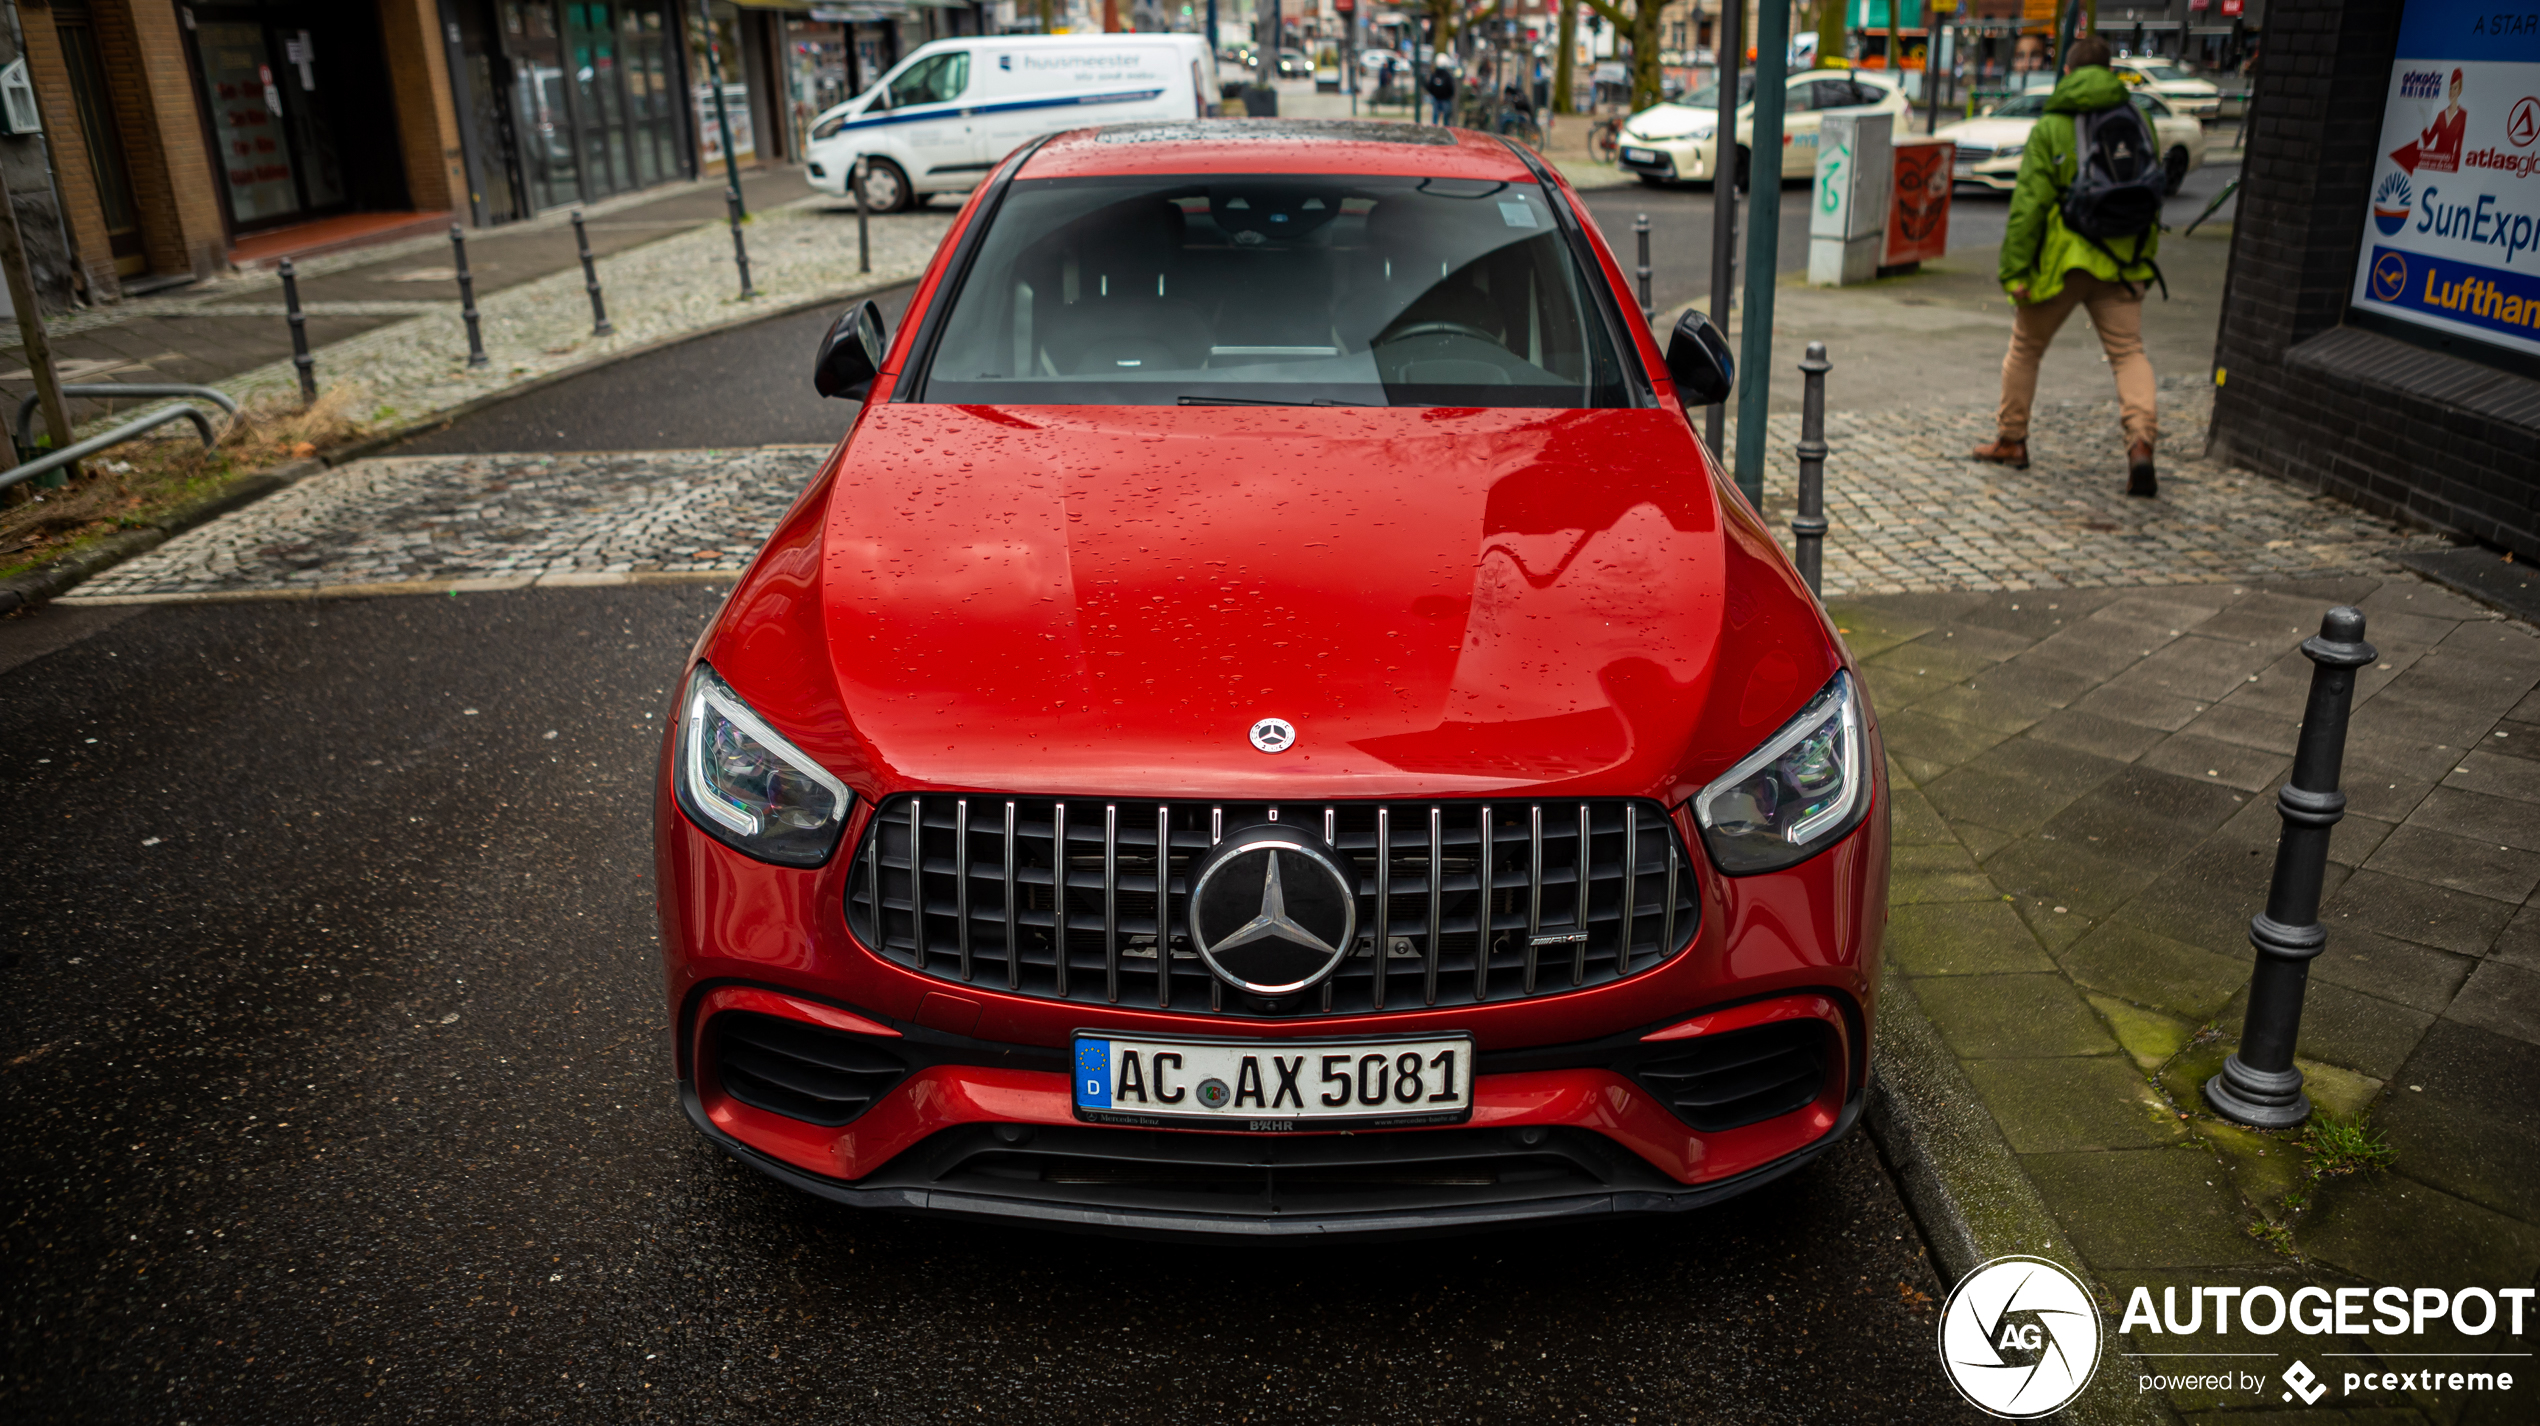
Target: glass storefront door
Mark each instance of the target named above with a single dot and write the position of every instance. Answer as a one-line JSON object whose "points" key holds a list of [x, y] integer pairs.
{"points": [[592, 96], [285, 82]]}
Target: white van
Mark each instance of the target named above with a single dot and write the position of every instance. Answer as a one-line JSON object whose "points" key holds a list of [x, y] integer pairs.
{"points": [[951, 111]]}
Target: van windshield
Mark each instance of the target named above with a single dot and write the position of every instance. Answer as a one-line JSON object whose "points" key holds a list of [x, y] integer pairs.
{"points": [[1275, 290]]}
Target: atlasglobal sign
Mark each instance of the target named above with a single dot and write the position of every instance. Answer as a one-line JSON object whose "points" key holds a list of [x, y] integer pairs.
{"points": [[2452, 230]]}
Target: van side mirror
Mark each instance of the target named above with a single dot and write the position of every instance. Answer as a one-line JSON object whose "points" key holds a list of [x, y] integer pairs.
{"points": [[1698, 361], [851, 355]]}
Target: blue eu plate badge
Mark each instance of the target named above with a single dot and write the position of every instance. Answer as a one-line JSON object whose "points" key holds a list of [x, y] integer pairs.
{"points": [[1093, 1074]]}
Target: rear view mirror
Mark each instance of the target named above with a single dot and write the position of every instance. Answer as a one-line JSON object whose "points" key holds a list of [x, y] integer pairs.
{"points": [[1698, 360], [851, 355]]}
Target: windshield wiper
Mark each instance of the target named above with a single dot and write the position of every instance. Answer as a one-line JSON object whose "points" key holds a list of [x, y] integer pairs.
{"points": [[1253, 401]]}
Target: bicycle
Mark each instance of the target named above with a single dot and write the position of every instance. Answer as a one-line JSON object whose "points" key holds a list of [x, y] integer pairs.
{"points": [[1605, 139]]}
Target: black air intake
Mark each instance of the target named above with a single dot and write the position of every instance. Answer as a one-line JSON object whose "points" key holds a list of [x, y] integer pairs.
{"points": [[1744, 1077], [800, 1071]]}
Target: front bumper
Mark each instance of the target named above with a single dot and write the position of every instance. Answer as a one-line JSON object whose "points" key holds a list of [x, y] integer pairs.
{"points": [[1999, 175], [1575, 1177], [1670, 159]]}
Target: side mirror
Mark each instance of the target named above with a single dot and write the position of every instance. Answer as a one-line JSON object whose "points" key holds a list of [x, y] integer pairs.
{"points": [[1698, 361], [851, 355]]}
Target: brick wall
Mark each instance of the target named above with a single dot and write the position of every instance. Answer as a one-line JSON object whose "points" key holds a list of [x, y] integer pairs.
{"points": [[427, 126], [190, 233], [74, 177], [2394, 427]]}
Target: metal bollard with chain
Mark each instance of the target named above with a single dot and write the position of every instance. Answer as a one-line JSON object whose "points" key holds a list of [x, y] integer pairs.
{"points": [[591, 279], [2259, 1085], [467, 298], [740, 250], [863, 229], [1640, 232], [299, 320], [1808, 527]]}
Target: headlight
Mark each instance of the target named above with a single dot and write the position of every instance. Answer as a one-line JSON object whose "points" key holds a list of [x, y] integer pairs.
{"points": [[749, 788], [2010, 150], [1794, 796]]}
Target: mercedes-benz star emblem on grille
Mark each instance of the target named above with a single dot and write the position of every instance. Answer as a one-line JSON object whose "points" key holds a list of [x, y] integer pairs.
{"points": [[1273, 910], [1274, 735]]}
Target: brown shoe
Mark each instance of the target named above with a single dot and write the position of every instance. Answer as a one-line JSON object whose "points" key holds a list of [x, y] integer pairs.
{"points": [[2011, 453], [2140, 478]]}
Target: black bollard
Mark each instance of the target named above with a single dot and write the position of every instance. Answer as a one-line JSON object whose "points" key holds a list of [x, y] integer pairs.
{"points": [[299, 321], [740, 250], [1808, 527], [467, 298], [863, 229], [591, 280], [1640, 231], [2258, 1085]]}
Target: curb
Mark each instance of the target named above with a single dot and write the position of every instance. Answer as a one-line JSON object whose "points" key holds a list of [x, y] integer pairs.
{"points": [[66, 573], [1965, 1186]]}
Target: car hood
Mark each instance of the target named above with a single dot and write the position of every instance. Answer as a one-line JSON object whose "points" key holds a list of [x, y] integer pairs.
{"points": [[1672, 121], [1107, 599], [1991, 133]]}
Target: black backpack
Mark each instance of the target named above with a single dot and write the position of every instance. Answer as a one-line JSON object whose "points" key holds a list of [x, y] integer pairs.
{"points": [[2118, 184]]}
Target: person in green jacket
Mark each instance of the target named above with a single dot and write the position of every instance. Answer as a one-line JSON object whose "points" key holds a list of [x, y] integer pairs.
{"points": [[2049, 270]]}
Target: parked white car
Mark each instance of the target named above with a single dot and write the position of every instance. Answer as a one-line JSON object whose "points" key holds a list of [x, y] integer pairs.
{"points": [[950, 112], [2198, 99], [1665, 143], [1991, 145]]}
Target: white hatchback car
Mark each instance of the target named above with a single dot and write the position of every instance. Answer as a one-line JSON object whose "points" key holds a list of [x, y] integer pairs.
{"points": [[1669, 142], [2196, 98], [1991, 144]]}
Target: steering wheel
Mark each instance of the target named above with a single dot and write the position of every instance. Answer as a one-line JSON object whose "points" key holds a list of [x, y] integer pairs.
{"points": [[1436, 329]]}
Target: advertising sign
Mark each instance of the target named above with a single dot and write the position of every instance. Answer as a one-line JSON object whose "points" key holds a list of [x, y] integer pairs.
{"points": [[2452, 231]]}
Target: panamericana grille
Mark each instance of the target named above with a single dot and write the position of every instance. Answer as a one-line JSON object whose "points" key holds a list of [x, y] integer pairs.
{"points": [[1581, 893]]}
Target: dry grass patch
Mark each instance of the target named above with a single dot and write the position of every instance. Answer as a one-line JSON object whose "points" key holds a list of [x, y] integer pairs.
{"points": [[139, 483]]}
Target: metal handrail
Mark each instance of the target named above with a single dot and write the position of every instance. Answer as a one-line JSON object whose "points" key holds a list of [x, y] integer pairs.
{"points": [[129, 429], [109, 390]]}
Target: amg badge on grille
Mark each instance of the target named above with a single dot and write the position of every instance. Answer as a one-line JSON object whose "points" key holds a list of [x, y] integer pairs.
{"points": [[1274, 735], [1273, 910]]}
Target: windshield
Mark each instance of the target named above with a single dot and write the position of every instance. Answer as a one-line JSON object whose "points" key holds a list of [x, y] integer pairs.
{"points": [[1708, 96], [2021, 106], [1275, 290], [2162, 72]]}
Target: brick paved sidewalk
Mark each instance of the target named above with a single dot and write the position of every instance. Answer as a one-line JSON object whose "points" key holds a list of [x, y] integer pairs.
{"points": [[2084, 815]]}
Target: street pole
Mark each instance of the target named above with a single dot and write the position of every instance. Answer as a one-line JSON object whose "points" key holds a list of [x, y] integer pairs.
{"points": [[2259, 1085], [1728, 50], [39, 348], [1808, 527], [2064, 33], [1763, 239], [722, 112]]}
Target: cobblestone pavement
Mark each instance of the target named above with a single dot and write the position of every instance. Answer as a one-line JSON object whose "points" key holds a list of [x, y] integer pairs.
{"points": [[1910, 513], [484, 522]]}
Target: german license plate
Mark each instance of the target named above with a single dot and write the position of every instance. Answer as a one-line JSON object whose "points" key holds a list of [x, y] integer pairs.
{"points": [[1640, 155], [1274, 1086]]}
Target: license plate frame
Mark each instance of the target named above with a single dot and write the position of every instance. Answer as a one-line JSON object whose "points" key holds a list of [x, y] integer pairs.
{"points": [[1640, 155], [1308, 1081]]}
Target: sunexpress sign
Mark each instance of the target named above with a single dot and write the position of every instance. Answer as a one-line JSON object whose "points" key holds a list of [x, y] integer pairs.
{"points": [[2452, 231]]}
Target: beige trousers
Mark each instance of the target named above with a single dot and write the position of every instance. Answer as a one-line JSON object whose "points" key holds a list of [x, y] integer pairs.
{"points": [[2116, 311]]}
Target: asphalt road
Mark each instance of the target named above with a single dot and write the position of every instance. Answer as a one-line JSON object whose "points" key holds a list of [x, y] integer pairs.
{"points": [[336, 1088]]}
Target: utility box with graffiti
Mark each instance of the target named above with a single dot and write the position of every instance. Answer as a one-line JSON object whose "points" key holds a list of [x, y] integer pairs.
{"points": [[1918, 204], [1848, 207]]}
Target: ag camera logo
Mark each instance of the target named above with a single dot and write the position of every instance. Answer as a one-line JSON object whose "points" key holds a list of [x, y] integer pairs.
{"points": [[2020, 1337]]}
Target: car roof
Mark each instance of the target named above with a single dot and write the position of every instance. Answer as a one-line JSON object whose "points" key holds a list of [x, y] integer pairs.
{"points": [[1277, 146]]}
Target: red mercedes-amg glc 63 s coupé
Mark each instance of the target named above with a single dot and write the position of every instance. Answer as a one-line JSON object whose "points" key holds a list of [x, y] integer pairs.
{"points": [[1271, 723]]}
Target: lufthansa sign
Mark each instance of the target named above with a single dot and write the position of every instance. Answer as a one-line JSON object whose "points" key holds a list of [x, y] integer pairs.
{"points": [[2452, 229]]}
